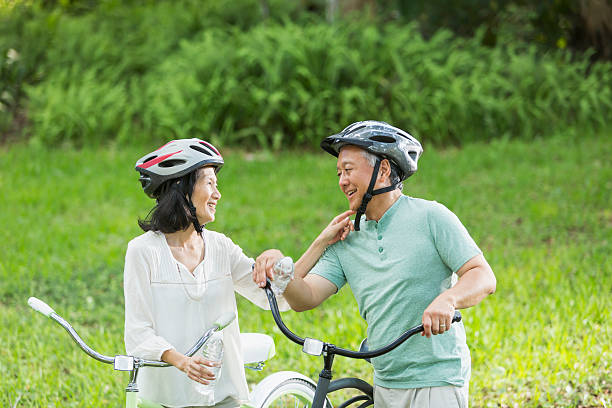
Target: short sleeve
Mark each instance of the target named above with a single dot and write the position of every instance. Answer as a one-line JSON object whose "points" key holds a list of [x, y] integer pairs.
{"points": [[329, 267], [452, 240]]}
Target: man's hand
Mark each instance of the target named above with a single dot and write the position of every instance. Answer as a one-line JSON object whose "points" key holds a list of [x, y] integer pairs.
{"points": [[438, 316], [264, 266], [476, 281]]}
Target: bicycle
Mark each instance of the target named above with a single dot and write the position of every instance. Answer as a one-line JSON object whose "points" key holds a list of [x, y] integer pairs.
{"points": [[315, 347], [283, 388]]}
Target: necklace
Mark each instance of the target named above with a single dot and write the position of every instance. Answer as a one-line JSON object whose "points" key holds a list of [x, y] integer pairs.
{"points": [[194, 298], [183, 284]]}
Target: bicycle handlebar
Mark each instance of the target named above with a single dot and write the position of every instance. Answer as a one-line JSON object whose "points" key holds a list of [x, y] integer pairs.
{"points": [[338, 350], [46, 310], [40, 306]]}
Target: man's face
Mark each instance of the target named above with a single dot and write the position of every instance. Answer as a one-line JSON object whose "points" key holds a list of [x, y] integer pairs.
{"points": [[354, 174]]}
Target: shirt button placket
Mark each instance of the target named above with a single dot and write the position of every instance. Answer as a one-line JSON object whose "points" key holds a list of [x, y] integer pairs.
{"points": [[381, 249]]}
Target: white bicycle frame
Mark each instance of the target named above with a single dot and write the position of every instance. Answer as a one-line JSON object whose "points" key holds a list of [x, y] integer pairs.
{"points": [[257, 349]]}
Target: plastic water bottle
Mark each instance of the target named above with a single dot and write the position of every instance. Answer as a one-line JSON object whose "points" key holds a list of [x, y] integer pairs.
{"points": [[212, 351], [283, 274]]}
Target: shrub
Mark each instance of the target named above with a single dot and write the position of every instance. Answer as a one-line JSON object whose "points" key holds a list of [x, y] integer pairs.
{"points": [[287, 85], [157, 72]]}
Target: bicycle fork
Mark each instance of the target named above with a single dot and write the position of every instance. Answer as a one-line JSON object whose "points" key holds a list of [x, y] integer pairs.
{"points": [[325, 385], [131, 391], [132, 399], [325, 377]]}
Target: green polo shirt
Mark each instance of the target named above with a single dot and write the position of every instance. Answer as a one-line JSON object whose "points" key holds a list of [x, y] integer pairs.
{"points": [[396, 267]]}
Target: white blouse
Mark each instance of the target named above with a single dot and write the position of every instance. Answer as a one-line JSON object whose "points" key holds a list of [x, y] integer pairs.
{"points": [[167, 307]]}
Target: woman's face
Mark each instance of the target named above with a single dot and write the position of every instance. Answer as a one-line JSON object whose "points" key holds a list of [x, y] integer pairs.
{"points": [[205, 195]]}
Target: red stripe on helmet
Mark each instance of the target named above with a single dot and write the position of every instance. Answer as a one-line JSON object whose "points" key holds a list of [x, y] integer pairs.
{"points": [[164, 145], [153, 162], [211, 146]]}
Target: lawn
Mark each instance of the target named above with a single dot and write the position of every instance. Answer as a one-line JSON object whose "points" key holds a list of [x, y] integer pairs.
{"points": [[540, 210]]}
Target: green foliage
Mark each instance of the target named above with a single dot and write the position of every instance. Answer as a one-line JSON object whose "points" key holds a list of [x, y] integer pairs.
{"points": [[157, 71], [549, 20], [577, 25], [540, 210], [106, 43]]}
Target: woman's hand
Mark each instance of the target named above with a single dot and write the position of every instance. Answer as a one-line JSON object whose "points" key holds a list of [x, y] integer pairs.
{"points": [[338, 229], [264, 266], [196, 368]]}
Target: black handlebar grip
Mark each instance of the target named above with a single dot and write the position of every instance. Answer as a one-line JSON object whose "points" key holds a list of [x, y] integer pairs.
{"points": [[457, 316]]}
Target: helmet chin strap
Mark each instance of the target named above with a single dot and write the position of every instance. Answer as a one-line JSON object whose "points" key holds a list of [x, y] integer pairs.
{"points": [[370, 193], [192, 210]]}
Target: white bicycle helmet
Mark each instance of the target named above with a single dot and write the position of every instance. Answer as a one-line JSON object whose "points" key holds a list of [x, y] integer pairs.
{"points": [[173, 160], [385, 142]]}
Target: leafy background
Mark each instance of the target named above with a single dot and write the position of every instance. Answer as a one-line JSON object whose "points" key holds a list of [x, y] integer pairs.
{"points": [[80, 75]]}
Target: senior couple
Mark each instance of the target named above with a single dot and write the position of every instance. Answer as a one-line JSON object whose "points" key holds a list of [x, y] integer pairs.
{"points": [[407, 260]]}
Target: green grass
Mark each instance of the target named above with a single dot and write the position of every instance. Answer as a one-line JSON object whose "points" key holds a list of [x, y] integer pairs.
{"points": [[540, 210]]}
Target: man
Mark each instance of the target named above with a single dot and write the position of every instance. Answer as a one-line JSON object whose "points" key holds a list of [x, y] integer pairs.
{"points": [[408, 261]]}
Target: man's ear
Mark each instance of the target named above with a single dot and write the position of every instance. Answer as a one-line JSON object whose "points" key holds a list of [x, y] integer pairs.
{"points": [[384, 173]]}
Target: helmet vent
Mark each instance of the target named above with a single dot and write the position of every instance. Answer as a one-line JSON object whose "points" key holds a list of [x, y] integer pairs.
{"points": [[405, 136], [149, 159], [355, 129], [171, 163], [383, 139], [201, 149]]}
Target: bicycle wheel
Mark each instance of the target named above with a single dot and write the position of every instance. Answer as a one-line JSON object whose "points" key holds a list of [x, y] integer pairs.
{"points": [[294, 393]]}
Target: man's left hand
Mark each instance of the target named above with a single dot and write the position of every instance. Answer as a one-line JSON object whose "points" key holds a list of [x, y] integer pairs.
{"points": [[438, 316], [264, 266]]}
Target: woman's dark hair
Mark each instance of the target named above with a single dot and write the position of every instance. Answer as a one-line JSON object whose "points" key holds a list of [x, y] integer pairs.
{"points": [[171, 213]]}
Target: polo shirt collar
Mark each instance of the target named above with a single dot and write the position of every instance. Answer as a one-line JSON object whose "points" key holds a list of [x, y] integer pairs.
{"points": [[386, 218]]}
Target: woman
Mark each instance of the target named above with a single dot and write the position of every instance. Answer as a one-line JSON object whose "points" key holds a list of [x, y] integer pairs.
{"points": [[179, 278]]}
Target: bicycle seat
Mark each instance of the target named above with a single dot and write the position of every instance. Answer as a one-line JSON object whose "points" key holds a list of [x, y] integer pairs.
{"points": [[256, 347], [364, 347]]}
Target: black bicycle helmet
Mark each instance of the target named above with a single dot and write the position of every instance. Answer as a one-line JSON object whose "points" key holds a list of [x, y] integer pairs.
{"points": [[385, 142], [381, 139]]}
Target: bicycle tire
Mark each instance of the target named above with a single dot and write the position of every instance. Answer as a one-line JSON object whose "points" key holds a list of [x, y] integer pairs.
{"points": [[352, 383], [293, 392]]}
